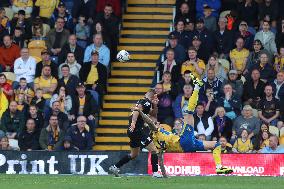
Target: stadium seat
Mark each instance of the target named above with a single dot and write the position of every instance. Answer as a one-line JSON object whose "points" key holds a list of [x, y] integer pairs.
{"points": [[281, 140], [282, 131], [10, 76], [274, 130], [9, 13], [35, 48]]}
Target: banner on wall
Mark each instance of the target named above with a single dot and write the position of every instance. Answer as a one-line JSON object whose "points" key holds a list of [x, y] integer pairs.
{"points": [[82, 163], [203, 164]]}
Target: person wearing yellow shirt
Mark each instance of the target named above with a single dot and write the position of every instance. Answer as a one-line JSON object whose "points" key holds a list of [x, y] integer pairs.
{"points": [[3, 103], [46, 8], [194, 65], [239, 56], [279, 60], [46, 82], [94, 75], [243, 144]]}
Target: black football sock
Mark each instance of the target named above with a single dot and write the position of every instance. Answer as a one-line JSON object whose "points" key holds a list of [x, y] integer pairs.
{"points": [[154, 162], [123, 161]]}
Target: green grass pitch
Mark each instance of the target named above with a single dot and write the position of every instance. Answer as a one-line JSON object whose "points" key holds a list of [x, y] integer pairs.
{"points": [[137, 182]]}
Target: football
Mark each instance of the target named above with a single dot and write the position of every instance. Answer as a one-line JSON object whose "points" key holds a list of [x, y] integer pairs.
{"points": [[123, 56]]}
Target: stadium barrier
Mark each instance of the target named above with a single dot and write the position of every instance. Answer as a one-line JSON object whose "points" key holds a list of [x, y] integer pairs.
{"points": [[242, 164], [87, 163]]}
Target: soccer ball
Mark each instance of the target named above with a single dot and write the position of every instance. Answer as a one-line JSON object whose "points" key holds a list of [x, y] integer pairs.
{"points": [[123, 56]]}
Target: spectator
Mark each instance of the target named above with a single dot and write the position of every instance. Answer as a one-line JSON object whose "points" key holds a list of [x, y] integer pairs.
{"points": [[45, 60], [23, 106], [182, 35], [245, 121], [86, 8], [267, 38], [74, 66], [46, 9], [4, 144], [280, 34], [35, 115], [38, 100], [67, 145], [202, 51], [80, 135], [203, 124], [98, 28], [243, 144], [9, 52], [29, 137], [82, 31], [253, 89], [208, 100], [168, 85], [180, 106], [223, 38], [12, 121], [39, 29], [24, 89], [62, 118], [212, 82], [214, 4], [247, 11], [46, 82], [24, 67], [6, 87], [62, 13], [235, 83], [52, 136], [22, 23], [268, 11], [3, 104], [209, 19], [104, 53], [215, 65], [94, 74], [267, 73], [84, 104], [18, 38], [273, 146], [71, 46], [179, 50], [165, 113], [185, 79], [170, 65], [194, 65], [189, 25], [4, 23], [65, 101], [111, 24], [262, 140], [56, 38], [239, 56], [22, 5], [279, 60], [185, 11], [230, 102], [245, 34], [269, 109], [222, 125], [68, 80]]}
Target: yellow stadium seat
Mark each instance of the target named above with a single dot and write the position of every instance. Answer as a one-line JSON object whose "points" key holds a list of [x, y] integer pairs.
{"points": [[274, 130], [10, 76], [35, 48], [281, 140], [282, 131], [9, 13]]}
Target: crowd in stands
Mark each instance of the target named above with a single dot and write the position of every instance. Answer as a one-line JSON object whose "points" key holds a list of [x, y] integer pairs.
{"points": [[54, 62], [237, 49]]}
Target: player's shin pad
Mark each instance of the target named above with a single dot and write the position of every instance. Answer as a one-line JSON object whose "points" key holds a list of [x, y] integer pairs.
{"points": [[149, 121], [161, 163]]}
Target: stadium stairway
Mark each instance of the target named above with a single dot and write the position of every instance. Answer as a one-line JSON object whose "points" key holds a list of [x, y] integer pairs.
{"points": [[145, 27]]}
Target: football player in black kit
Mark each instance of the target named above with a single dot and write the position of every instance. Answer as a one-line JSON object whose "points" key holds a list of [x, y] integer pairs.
{"points": [[140, 136]]}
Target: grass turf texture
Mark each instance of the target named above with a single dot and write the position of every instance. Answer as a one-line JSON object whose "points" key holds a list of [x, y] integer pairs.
{"points": [[138, 182]]}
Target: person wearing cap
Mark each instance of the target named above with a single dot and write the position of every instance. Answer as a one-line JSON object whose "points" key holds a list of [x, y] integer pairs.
{"points": [[24, 67], [46, 8], [223, 38], [84, 105], [245, 34], [209, 19], [9, 52], [239, 55], [61, 11], [56, 38], [202, 51], [25, 5], [214, 4], [94, 74], [181, 34], [45, 60], [245, 121], [80, 135], [24, 24], [103, 50], [236, 84], [195, 65], [189, 25]]}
